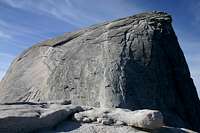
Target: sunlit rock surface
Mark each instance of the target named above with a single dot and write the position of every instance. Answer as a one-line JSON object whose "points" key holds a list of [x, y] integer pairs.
{"points": [[134, 63]]}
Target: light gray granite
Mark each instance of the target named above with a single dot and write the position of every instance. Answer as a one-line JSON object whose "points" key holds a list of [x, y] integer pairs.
{"points": [[145, 119], [134, 62]]}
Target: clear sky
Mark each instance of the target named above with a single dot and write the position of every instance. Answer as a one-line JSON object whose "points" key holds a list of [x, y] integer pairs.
{"points": [[27, 22]]}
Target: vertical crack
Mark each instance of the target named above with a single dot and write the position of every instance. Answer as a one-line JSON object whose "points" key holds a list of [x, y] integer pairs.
{"points": [[123, 62]]}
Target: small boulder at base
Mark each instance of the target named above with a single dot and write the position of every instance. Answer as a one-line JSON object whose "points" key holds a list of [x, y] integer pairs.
{"points": [[146, 119]]}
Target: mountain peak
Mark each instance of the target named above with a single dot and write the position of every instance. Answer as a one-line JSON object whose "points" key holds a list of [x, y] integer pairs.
{"points": [[134, 63]]}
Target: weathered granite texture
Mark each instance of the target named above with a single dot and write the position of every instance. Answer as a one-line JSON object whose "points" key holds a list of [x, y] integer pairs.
{"points": [[25, 118], [28, 117], [74, 127], [146, 119], [134, 62]]}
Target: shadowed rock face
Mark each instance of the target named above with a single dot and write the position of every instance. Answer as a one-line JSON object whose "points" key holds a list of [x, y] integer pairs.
{"points": [[134, 62]]}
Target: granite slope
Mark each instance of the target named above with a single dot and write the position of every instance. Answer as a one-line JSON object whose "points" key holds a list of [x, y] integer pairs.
{"points": [[134, 62]]}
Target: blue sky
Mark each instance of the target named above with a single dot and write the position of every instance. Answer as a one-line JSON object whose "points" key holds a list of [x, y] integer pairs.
{"points": [[27, 22]]}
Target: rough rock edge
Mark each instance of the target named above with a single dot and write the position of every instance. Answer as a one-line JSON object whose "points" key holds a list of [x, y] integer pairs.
{"points": [[60, 102], [149, 16], [145, 119], [24, 118]]}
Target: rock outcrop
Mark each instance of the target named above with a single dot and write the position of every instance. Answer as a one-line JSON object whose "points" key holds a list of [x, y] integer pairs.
{"points": [[146, 119], [134, 63], [23, 118], [58, 118]]}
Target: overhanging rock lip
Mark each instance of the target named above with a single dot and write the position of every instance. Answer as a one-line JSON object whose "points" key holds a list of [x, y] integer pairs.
{"points": [[152, 16], [68, 36]]}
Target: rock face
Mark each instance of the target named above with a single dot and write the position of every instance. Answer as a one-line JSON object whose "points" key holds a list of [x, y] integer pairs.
{"points": [[23, 118], [147, 119], [134, 63], [56, 118]]}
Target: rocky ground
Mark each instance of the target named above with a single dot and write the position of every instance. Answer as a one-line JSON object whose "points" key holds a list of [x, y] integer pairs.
{"points": [[58, 117]]}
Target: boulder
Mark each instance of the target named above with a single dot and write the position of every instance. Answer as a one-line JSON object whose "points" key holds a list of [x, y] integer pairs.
{"points": [[57, 118], [145, 119], [134, 62], [24, 118]]}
